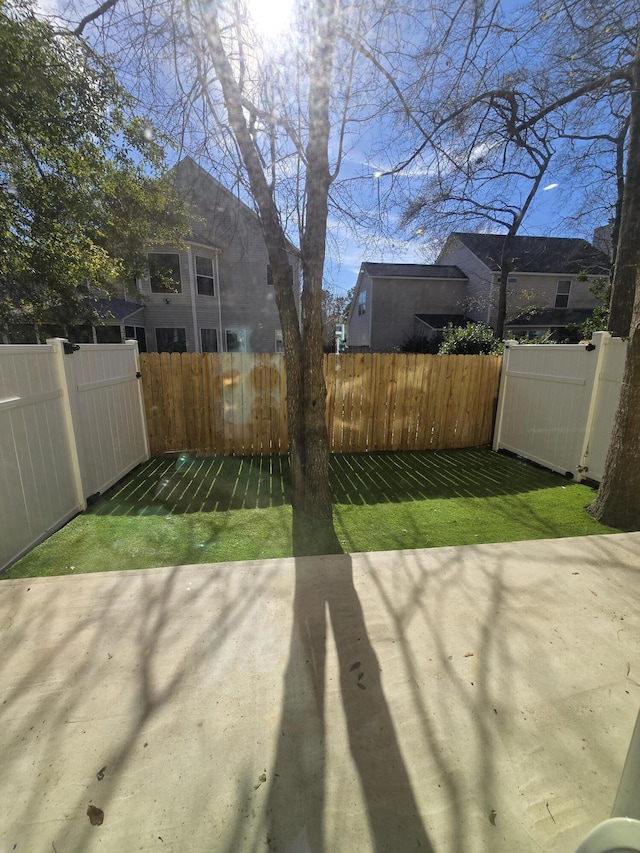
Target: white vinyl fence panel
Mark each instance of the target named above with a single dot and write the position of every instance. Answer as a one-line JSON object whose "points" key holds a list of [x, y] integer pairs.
{"points": [[609, 382], [70, 426], [38, 488], [557, 403], [105, 398]]}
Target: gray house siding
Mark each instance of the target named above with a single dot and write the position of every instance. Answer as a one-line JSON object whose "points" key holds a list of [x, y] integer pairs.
{"points": [[396, 301], [359, 324], [227, 231], [479, 289]]}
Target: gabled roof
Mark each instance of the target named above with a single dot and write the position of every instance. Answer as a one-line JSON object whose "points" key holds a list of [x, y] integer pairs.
{"points": [[412, 270], [441, 321], [114, 309], [569, 255], [188, 174], [553, 317]]}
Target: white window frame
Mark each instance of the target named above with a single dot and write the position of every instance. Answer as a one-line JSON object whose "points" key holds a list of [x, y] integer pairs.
{"points": [[563, 282], [279, 342], [215, 332], [178, 284], [208, 277], [241, 334], [362, 303], [177, 328]]}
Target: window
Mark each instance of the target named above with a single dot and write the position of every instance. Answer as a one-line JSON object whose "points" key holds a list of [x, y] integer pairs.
{"points": [[22, 333], [209, 340], [164, 272], [562, 293], [236, 340], [171, 340], [106, 335], [362, 302], [279, 341], [137, 333], [204, 278]]}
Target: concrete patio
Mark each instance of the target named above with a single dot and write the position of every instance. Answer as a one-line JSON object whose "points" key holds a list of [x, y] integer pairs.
{"points": [[456, 699]]}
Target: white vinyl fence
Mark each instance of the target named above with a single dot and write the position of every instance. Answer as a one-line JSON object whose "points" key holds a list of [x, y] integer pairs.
{"points": [[71, 425], [557, 403]]}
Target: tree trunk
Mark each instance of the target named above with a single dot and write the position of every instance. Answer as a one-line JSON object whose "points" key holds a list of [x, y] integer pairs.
{"points": [[627, 256], [618, 500], [313, 530]]}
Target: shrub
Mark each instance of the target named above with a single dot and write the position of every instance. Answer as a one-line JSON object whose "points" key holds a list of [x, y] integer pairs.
{"points": [[420, 344], [472, 339]]}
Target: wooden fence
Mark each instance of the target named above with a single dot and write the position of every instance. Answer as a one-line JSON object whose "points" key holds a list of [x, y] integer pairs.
{"points": [[235, 404]]}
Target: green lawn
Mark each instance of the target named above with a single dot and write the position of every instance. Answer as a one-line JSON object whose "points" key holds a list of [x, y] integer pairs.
{"points": [[181, 510]]}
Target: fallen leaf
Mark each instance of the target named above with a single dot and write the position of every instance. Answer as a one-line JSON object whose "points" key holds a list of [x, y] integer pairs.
{"points": [[492, 817], [100, 773], [96, 815], [360, 675], [261, 779], [593, 593], [468, 654], [355, 666], [575, 573], [361, 686]]}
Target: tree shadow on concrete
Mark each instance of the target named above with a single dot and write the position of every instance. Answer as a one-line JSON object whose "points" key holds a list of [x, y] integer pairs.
{"points": [[327, 605]]}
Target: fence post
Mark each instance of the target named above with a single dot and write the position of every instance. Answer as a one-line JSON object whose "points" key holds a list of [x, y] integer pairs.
{"points": [[601, 342], [143, 416], [58, 355], [497, 429]]}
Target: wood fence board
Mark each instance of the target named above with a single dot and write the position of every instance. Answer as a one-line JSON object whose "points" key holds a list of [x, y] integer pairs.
{"points": [[367, 386], [188, 397], [235, 403], [423, 382]]}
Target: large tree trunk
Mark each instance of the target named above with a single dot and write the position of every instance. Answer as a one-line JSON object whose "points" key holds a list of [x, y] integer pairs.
{"points": [[313, 530], [627, 255], [618, 499]]}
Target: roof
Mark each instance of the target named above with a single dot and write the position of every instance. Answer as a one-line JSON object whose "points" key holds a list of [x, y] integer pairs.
{"points": [[569, 255], [413, 270], [189, 173], [441, 321], [114, 309], [553, 317]]}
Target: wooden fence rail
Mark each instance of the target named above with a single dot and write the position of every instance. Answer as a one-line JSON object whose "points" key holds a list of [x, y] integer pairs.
{"points": [[235, 404]]}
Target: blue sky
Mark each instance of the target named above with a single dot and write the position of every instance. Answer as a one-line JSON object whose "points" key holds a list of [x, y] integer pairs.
{"points": [[349, 246]]}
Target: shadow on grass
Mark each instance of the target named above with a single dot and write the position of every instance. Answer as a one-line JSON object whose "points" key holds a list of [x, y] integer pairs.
{"points": [[186, 484]]}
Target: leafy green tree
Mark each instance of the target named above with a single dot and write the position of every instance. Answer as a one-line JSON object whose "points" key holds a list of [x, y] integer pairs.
{"points": [[472, 339], [81, 181], [600, 288]]}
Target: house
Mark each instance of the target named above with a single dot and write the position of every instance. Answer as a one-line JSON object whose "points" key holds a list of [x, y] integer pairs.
{"points": [[394, 302], [546, 290], [213, 294]]}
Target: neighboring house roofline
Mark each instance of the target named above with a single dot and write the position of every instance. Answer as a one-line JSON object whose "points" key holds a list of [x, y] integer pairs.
{"points": [[189, 161], [391, 270], [536, 254]]}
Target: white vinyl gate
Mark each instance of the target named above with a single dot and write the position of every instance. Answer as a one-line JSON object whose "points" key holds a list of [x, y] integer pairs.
{"points": [[557, 403], [71, 425]]}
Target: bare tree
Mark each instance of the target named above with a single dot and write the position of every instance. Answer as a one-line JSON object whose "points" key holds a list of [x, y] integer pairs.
{"points": [[279, 117]]}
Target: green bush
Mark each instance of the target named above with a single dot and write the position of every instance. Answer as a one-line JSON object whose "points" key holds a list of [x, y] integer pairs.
{"points": [[420, 344], [472, 339]]}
